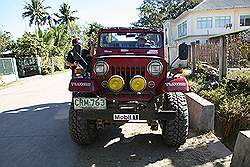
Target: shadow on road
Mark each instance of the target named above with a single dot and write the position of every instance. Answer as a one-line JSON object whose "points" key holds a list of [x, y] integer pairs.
{"points": [[112, 149], [38, 136]]}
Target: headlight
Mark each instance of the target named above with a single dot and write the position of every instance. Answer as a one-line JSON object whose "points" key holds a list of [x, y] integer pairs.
{"points": [[116, 83], [138, 83], [155, 68], [101, 68]]}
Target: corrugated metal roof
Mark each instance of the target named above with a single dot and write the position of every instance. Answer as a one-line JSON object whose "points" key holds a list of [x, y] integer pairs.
{"points": [[222, 4], [6, 52], [234, 32]]}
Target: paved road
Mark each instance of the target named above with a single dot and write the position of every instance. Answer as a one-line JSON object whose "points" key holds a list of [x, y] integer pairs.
{"points": [[34, 133]]}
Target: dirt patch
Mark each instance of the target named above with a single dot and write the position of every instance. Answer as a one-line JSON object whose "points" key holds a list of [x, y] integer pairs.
{"points": [[136, 145]]}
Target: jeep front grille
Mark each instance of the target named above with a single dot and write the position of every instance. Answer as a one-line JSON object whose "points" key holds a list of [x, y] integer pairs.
{"points": [[128, 72]]}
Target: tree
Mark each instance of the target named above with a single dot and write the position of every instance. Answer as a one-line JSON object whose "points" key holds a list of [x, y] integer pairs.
{"points": [[154, 12], [6, 42], [59, 43], [51, 45], [31, 45], [36, 11], [65, 16], [50, 20], [90, 32]]}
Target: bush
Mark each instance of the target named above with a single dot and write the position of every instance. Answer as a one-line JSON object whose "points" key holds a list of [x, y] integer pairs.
{"points": [[59, 63], [46, 69], [231, 100]]}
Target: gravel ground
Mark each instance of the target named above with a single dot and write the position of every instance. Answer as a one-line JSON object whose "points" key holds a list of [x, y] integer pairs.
{"points": [[34, 132]]}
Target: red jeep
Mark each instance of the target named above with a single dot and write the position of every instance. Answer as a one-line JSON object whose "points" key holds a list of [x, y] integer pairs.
{"points": [[130, 80]]}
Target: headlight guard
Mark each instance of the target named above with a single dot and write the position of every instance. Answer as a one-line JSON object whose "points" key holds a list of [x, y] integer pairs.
{"points": [[155, 68], [101, 68]]}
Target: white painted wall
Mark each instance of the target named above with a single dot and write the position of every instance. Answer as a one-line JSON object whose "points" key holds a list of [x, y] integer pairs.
{"points": [[14, 73], [194, 33]]}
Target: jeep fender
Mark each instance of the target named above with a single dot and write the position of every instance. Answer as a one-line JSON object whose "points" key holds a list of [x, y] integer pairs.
{"points": [[83, 85], [177, 84]]}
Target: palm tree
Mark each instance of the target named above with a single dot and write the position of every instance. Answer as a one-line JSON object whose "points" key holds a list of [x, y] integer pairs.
{"points": [[65, 15], [36, 11], [57, 41]]}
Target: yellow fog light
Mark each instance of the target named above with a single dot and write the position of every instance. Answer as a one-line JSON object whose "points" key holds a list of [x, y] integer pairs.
{"points": [[116, 83], [138, 83]]}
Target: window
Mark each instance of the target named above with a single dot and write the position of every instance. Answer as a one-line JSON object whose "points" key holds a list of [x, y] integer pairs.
{"points": [[222, 21], [245, 20], [130, 40], [182, 29], [204, 22]]}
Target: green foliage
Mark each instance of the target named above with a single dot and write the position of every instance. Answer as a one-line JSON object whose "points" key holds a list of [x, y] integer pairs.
{"points": [[6, 42], [154, 12], [59, 63], [90, 33], [51, 45], [238, 49], [30, 45], [46, 69], [36, 11], [65, 16], [231, 98]]}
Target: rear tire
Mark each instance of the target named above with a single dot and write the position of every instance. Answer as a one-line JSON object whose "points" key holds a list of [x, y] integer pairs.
{"points": [[82, 131], [175, 132]]}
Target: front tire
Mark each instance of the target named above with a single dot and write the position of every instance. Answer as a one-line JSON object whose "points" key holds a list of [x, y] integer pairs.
{"points": [[175, 132], [82, 131]]}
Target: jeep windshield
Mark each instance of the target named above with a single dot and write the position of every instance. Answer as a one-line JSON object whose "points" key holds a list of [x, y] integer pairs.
{"points": [[130, 40]]}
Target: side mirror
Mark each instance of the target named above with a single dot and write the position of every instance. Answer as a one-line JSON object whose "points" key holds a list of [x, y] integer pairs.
{"points": [[183, 51]]}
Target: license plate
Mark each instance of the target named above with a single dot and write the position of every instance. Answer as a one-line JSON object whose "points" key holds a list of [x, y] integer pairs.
{"points": [[126, 117], [89, 103]]}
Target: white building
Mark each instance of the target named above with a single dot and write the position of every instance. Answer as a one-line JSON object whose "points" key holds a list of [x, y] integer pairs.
{"points": [[209, 18]]}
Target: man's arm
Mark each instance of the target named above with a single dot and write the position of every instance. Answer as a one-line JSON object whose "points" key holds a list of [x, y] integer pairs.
{"points": [[71, 64]]}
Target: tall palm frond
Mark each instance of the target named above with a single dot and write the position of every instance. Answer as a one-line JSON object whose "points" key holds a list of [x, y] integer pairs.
{"points": [[36, 11], [65, 15]]}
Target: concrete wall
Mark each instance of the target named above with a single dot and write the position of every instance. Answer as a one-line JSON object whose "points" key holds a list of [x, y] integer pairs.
{"points": [[8, 70], [241, 155], [201, 112]]}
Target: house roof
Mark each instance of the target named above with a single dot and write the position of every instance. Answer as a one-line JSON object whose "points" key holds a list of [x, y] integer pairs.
{"points": [[221, 4], [234, 32], [6, 52], [217, 5]]}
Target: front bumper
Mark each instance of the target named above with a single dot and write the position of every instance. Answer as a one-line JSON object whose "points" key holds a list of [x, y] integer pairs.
{"points": [[143, 114]]}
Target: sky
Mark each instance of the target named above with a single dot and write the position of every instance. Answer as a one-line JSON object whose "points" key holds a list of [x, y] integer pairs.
{"points": [[106, 12]]}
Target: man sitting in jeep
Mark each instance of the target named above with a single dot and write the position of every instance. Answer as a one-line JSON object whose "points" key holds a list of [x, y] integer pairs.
{"points": [[141, 41], [78, 56]]}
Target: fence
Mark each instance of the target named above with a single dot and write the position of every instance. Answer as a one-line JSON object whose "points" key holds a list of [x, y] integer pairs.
{"points": [[238, 49], [8, 69], [208, 53], [222, 52]]}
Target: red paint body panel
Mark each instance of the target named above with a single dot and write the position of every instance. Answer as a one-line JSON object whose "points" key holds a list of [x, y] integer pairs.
{"points": [[130, 51], [179, 84], [129, 61]]}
